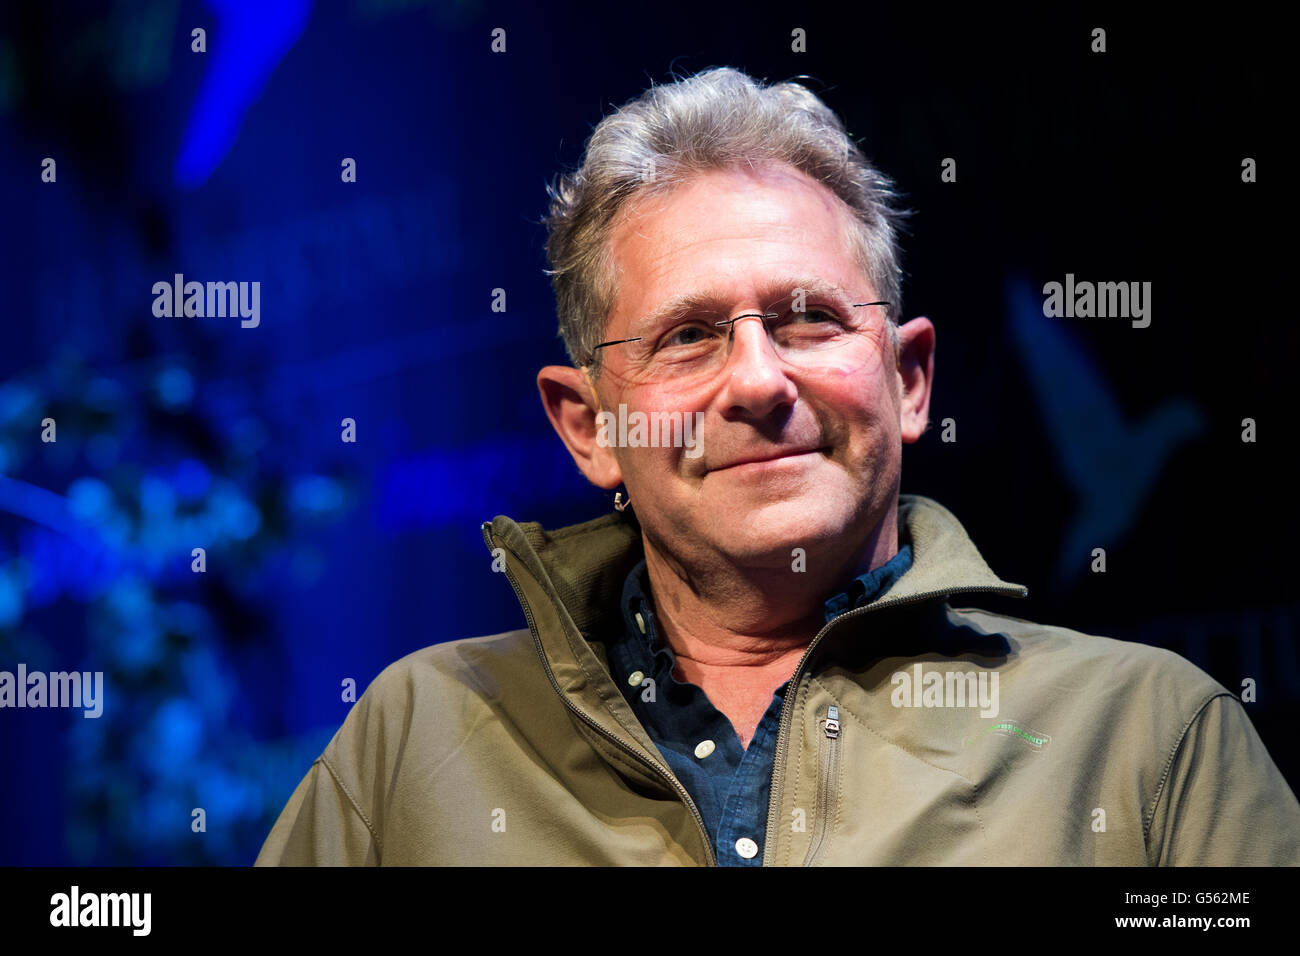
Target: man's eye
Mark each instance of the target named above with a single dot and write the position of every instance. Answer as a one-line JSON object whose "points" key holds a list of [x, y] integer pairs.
{"points": [[815, 316], [686, 335]]}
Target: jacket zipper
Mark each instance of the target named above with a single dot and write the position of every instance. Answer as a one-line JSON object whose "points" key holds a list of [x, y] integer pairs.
{"points": [[830, 762], [787, 708], [672, 781]]}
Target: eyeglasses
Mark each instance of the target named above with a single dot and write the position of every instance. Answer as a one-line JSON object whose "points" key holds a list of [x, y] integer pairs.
{"points": [[691, 351]]}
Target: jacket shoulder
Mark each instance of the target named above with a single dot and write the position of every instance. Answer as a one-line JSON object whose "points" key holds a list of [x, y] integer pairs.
{"points": [[1072, 658], [1180, 742], [434, 676], [424, 704], [420, 710], [442, 690]]}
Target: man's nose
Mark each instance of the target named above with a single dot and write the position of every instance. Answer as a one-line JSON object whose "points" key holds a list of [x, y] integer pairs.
{"points": [[755, 377]]}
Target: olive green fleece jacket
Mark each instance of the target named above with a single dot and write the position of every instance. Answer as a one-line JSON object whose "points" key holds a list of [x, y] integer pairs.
{"points": [[519, 748]]}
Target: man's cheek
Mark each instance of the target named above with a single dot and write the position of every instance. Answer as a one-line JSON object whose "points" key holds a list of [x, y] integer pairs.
{"points": [[693, 434]]}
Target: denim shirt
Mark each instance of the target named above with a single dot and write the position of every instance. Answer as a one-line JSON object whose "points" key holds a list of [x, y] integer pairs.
{"points": [[730, 784]]}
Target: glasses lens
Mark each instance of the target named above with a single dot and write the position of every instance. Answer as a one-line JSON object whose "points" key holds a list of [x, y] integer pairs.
{"points": [[685, 354]]}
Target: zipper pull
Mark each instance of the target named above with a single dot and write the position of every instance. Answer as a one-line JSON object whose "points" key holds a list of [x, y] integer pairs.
{"points": [[832, 721]]}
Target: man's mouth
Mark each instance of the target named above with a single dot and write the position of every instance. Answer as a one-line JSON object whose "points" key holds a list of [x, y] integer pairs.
{"points": [[773, 458]]}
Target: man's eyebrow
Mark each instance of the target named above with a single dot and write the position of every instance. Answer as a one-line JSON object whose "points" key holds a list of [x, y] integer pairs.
{"points": [[717, 301]]}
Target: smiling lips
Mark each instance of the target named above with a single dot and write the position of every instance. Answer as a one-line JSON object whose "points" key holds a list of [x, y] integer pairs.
{"points": [[768, 459]]}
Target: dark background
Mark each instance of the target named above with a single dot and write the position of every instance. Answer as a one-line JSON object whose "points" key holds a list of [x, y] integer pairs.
{"points": [[327, 560]]}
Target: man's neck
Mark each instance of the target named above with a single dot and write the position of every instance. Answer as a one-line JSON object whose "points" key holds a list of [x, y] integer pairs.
{"points": [[740, 635], [756, 618]]}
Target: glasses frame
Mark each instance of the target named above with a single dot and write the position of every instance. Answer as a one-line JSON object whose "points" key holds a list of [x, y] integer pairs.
{"points": [[731, 322]]}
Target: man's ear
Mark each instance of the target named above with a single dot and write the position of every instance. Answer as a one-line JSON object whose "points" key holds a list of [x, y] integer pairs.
{"points": [[915, 370], [572, 405]]}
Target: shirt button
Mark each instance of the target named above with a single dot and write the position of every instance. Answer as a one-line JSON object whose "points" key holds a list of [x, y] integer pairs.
{"points": [[703, 748], [640, 622], [747, 848], [635, 678]]}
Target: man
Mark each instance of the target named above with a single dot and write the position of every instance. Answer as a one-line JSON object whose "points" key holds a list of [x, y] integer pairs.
{"points": [[758, 662]]}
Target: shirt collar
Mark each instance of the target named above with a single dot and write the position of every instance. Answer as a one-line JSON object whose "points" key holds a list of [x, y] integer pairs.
{"points": [[865, 588]]}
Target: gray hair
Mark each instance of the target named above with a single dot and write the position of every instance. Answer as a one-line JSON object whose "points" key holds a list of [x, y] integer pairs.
{"points": [[716, 119]]}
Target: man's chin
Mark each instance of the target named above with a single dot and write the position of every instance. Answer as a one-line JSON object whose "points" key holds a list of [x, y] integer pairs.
{"points": [[771, 533]]}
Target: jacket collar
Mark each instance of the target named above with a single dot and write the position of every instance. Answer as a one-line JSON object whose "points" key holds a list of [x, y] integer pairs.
{"points": [[582, 568], [569, 582]]}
